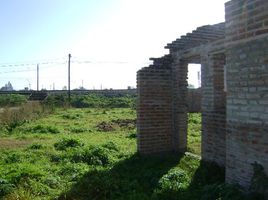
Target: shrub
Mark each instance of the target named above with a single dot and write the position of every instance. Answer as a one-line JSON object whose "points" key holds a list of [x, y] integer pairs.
{"points": [[71, 116], [5, 187], [13, 157], [65, 143], [102, 155], [98, 156], [43, 129], [92, 101], [12, 100], [79, 130], [175, 180], [57, 100], [36, 146], [110, 146], [73, 171], [23, 172]]}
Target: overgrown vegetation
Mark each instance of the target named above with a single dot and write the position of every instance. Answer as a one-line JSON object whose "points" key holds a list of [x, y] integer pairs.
{"points": [[71, 154], [12, 100], [12, 117], [92, 101]]}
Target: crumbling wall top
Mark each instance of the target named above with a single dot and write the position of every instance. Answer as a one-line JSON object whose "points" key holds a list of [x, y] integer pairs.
{"points": [[201, 35]]}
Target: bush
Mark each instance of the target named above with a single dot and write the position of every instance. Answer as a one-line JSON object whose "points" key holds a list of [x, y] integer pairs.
{"points": [[95, 156], [36, 146], [12, 100], [71, 116], [102, 155], [175, 180], [79, 130], [22, 172], [5, 187], [43, 129], [65, 143], [13, 157], [57, 100], [92, 101]]}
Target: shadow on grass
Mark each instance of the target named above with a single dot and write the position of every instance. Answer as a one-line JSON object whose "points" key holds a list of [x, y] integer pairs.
{"points": [[141, 178], [132, 178]]}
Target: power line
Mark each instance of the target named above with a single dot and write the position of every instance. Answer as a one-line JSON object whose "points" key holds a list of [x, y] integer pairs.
{"points": [[34, 69], [33, 61]]}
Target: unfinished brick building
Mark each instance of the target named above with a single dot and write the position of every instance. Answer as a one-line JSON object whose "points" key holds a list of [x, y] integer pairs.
{"points": [[235, 115]]}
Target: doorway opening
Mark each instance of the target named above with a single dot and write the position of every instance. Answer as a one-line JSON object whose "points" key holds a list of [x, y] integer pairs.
{"points": [[194, 109]]}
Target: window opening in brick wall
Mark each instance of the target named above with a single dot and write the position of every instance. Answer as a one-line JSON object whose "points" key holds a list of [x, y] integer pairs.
{"points": [[194, 75]]}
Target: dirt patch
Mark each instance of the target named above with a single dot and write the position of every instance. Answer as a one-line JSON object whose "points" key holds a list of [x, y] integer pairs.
{"points": [[125, 123], [117, 123], [14, 143], [105, 126]]}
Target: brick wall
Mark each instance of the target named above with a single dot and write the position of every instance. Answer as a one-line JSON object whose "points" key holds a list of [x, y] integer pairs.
{"points": [[154, 109], [213, 109], [247, 89], [180, 105], [246, 19]]}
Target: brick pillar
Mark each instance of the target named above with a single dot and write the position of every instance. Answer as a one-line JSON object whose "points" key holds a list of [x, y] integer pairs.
{"points": [[154, 108], [213, 109], [180, 106], [247, 88]]}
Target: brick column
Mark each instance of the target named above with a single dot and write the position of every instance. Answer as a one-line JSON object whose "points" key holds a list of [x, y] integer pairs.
{"points": [[213, 109], [180, 105], [154, 108]]}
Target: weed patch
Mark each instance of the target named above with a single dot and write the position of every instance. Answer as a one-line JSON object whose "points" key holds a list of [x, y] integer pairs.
{"points": [[12, 100], [43, 129], [65, 143], [5, 187], [72, 116], [79, 130]]}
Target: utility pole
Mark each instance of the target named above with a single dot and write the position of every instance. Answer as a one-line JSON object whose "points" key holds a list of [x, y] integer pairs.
{"points": [[37, 87], [69, 79]]}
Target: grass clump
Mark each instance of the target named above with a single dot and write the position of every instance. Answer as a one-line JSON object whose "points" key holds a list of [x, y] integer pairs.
{"points": [[174, 180], [46, 129], [5, 187], [65, 143], [75, 116], [100, 155], [36, 146]]}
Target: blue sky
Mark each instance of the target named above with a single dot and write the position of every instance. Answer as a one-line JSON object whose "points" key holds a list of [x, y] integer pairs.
{"points": [[109, 39]]}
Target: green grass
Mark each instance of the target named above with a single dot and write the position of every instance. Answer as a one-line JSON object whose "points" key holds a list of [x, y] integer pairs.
{"points": [[92, 154], [194, 133]]}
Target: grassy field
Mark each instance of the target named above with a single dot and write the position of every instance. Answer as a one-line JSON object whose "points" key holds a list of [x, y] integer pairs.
{"points": [[91, 153]]}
